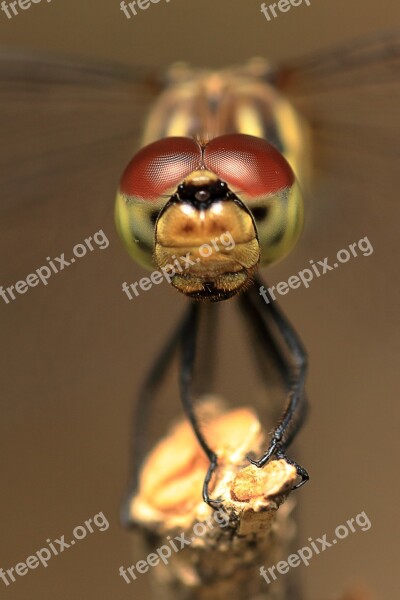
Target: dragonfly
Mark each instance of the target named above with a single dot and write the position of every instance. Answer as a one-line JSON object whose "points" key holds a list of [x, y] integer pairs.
{"points": [[217, 155], [227, 151]]}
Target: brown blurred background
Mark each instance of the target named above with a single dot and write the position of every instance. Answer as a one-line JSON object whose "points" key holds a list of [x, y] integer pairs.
{"points": [[73, 352]]}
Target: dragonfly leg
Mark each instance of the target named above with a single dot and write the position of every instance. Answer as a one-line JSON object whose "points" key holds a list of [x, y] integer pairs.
{"points": [[272, 326], [143, 408], [189, 336]]}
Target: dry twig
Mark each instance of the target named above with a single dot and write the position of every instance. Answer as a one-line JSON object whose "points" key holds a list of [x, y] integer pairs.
{"points": [[223, 561]]}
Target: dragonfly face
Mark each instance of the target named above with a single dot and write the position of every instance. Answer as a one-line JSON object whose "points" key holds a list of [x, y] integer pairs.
{"points": [[193, 224], [179, 194]]}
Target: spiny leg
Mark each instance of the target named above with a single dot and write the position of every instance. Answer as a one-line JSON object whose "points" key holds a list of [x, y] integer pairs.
{"points": [[266, 339], [272, 325], [143, 408], [263, 344], [189, 336]]}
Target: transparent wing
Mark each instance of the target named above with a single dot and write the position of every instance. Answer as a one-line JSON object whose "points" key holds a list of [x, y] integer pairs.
{"points": [[67, 131], [350, 97]]}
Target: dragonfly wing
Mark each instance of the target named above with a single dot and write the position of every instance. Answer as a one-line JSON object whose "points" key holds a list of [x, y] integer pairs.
{"points": [[350, 98], [68, 129]]}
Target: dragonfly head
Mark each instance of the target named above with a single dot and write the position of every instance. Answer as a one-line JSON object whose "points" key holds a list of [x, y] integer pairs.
{"points": [[208, 213]]}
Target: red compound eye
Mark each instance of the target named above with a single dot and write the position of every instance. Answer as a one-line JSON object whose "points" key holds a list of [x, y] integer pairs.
{"points": [[160, 166], [248, 164]]}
